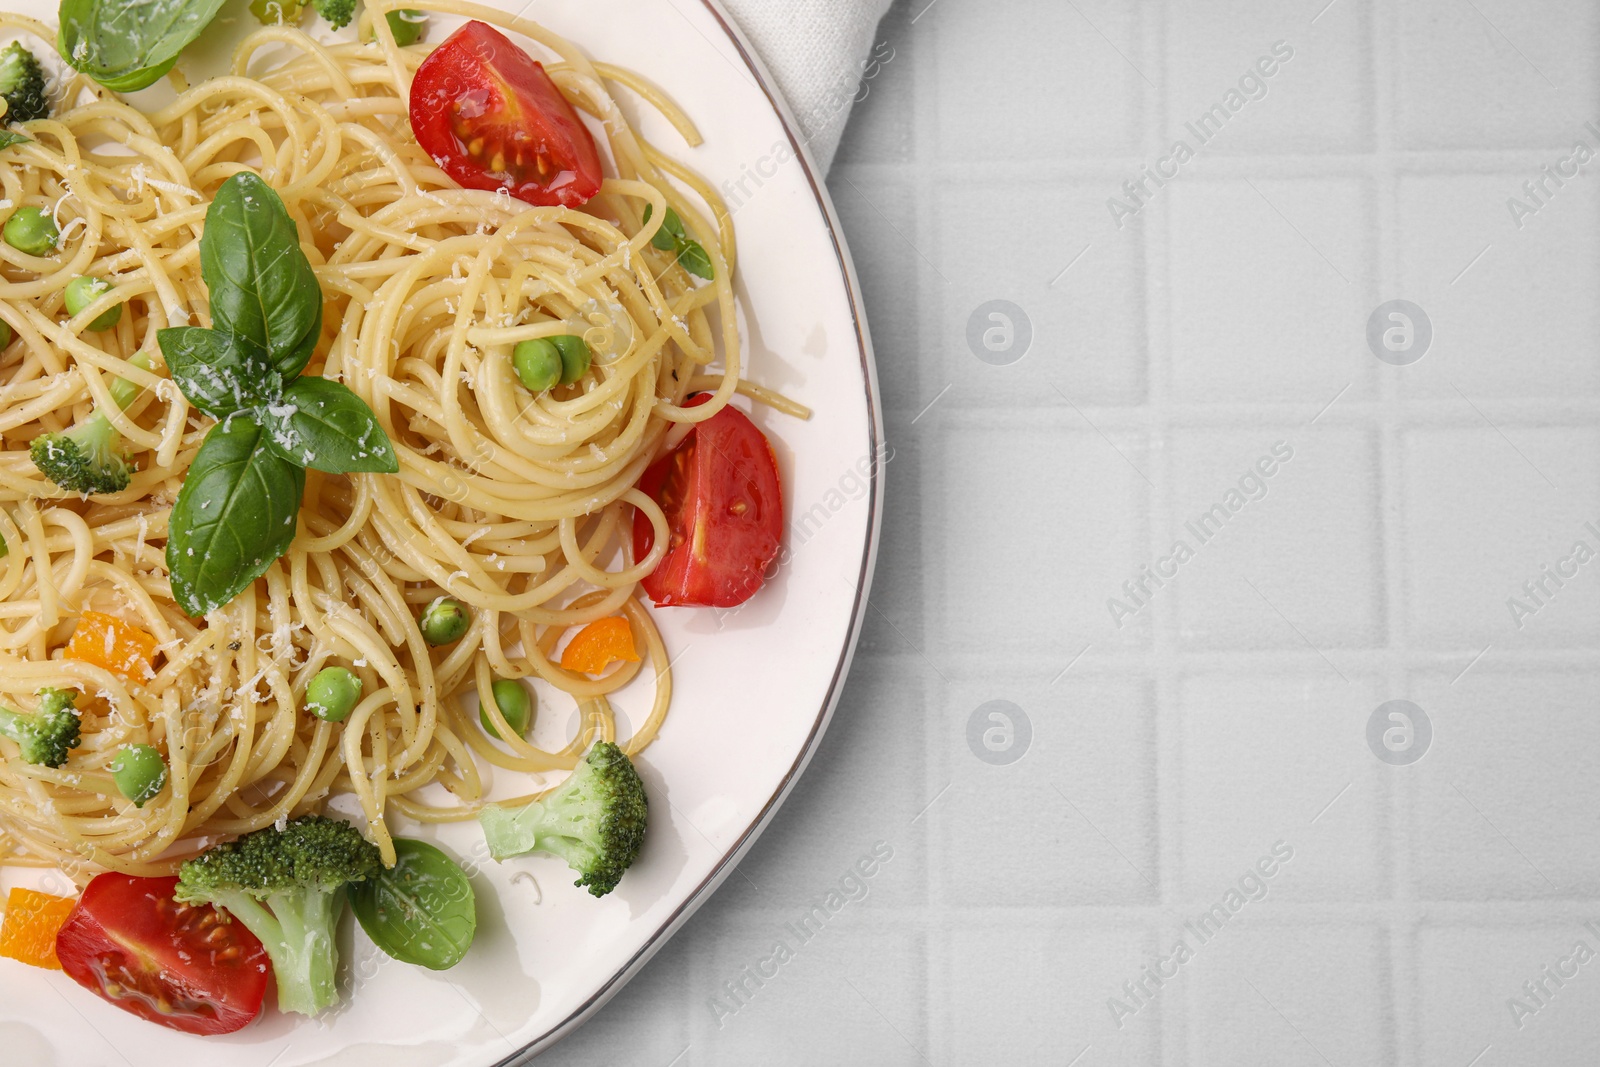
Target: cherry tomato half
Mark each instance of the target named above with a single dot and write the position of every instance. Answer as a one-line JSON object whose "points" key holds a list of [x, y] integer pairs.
{"points": [[490, 116], [175, 964], [719, 489]]}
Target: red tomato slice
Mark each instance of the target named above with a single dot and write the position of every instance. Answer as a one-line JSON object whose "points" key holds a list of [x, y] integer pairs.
{"points": [[487, 113], [719, 489], [175, 964]]}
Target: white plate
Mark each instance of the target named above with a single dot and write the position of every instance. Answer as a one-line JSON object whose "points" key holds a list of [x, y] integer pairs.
{"points": [[754, 688]]}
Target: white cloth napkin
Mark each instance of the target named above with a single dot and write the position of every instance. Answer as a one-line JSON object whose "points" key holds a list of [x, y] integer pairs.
{"points": [[818, 51]]}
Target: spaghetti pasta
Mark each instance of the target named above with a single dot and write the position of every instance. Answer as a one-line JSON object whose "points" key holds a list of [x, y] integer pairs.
{"points": [[517, 505]]}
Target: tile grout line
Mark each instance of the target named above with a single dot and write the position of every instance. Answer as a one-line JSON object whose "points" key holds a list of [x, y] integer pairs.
{"points": [[922, 37], [1423, 412], [1355, 163], [1290, 658], [1574, 908], [1436, 412], [1396, 920], [1155, 248]]}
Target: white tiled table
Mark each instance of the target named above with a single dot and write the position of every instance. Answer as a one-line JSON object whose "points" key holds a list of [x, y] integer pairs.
{"points": [[1230, 711]]}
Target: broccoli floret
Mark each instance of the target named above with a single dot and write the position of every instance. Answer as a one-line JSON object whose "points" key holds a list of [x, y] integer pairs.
{"points": [[595, 821], [337, 12], [49, 734], [22, 84], [84, 459], [287, 887], [88, 459]]}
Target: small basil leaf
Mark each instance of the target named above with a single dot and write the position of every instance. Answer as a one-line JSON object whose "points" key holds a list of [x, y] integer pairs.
{"points": [[673, 237], [11, 137], [694, 259], [262, 286], [673, 224], [320, 424], [128, 44], [235, 514], [666, 237], [220, 373], [421, 910]]}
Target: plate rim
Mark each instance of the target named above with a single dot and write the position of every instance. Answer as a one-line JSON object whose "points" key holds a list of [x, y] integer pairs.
{"points": [[869, 553]]}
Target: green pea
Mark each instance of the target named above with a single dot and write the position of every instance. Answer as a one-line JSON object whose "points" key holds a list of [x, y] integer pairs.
{"points": [[140, 773], [274, 12], [574, 357], [406, 25], [333, 693], [515, 704], [85, 290], [537, 363], [5, 333], [443, 621], [31, 230]]}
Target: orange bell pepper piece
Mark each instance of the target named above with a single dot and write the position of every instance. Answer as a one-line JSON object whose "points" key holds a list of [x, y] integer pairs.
{"points": [[108, 642], [599, 645], [32, 921]]}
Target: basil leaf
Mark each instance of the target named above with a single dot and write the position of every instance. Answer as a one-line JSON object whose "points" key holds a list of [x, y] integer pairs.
{"points": [[673, 224], [11, 137], [134, 80], [262, 286], [320, 424], [666, 237], [235, 514], [694, 259], [220, 373], [673, 237], [128, 44], [421, 910]]}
